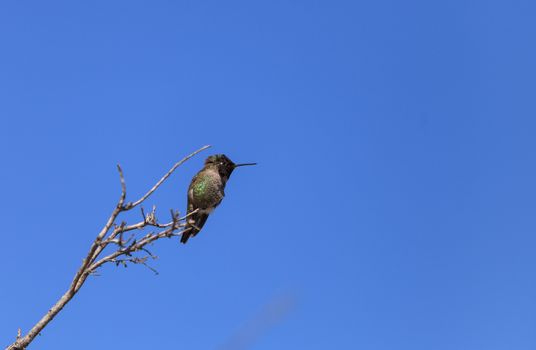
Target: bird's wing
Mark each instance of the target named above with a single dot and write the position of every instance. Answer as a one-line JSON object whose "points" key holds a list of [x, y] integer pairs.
{"points": [[195, 222], [191, 220], [190, 191]]}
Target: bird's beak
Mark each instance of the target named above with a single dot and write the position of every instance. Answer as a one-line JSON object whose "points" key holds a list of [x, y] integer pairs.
{"points": [[244, 164]]}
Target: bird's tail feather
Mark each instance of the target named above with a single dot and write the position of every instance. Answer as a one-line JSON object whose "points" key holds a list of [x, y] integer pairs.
{"points": [[193, 227]]}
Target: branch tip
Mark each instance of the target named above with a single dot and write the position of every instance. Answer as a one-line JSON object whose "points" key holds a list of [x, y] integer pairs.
{"points": [[164, 178], [123, 188]]}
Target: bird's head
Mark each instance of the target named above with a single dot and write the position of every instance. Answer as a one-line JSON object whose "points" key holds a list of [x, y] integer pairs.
{"points": [[224, 165]]}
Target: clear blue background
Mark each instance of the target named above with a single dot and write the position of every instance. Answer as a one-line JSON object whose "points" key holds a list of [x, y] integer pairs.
{"points": [[394, 200]]}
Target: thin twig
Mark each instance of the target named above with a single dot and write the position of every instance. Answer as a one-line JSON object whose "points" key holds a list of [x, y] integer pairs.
{"points": [[145, 196]]}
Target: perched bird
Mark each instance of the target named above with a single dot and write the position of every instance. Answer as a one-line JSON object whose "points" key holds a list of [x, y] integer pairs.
{"points": [[206, 192]]}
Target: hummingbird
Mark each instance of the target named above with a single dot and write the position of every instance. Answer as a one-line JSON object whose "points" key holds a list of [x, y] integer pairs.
{"points": [[206, 191]]}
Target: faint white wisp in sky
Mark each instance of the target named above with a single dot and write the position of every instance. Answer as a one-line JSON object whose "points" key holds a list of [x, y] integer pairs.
{"points": [[271, 314]]}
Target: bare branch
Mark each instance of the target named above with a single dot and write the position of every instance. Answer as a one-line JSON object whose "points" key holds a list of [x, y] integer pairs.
{"points": [[124, 252], [135, 246]]}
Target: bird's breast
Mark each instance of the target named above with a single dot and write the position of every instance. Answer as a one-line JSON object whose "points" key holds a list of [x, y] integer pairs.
{"points": [[207, 191]]}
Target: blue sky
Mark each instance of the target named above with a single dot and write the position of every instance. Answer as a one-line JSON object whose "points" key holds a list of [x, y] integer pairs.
{"points": [[394, 200]]}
